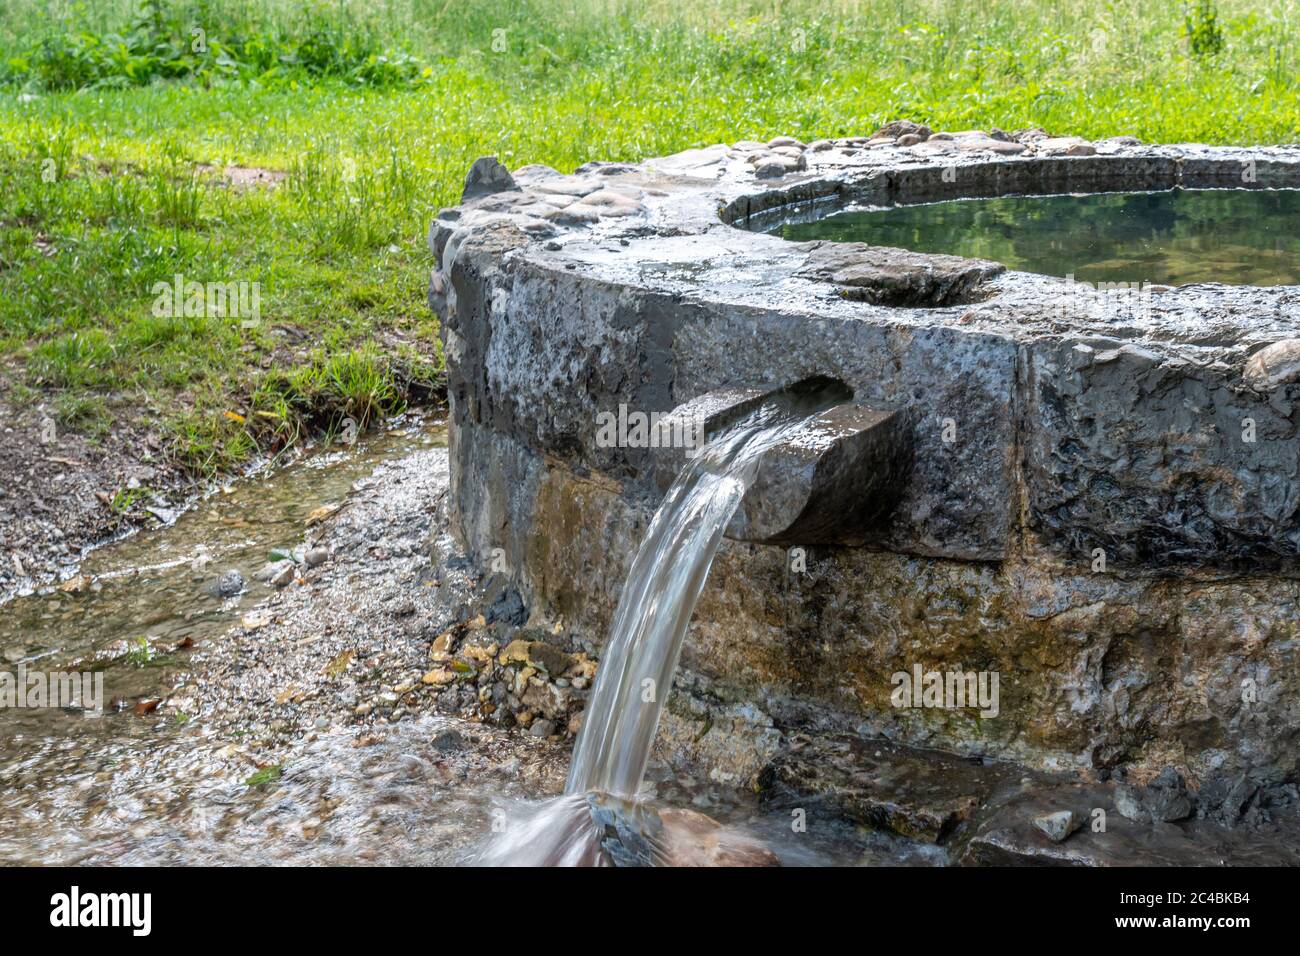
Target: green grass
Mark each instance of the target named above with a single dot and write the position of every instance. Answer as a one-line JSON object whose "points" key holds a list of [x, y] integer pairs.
{"points": [[101, 157]]}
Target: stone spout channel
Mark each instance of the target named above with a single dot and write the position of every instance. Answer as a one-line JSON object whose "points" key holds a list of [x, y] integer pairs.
{"points": [[834, 480]]}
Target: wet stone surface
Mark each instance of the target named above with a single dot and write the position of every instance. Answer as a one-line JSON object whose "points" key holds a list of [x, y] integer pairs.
{"points": [[1084, 513]]}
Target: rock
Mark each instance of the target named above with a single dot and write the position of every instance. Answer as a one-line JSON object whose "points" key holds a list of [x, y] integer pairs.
{"points": [[910, 139], [645, 834], [898, 128], [1128, 801], [542, 728], [14, 654], [1169, 805], [776, 165], [1164, 800], [269, 571], [1274, 366], [284, 575], [546, 699], [918, 794], [575, 214], [508, 608], [440, 649], [516, 652], [897, 277], [696, 840], [1030, 135], [788, 141], [448, 741], [1009, 835], [321, 723], [975, 144], [315, 557], [1057, 825], [548, 657], [1064, 146], [1224, 798], [485, 177], [75, 585], [228, 585], [438, 677]]}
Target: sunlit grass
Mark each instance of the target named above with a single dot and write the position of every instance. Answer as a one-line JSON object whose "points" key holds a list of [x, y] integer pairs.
{"points": [[105, 193]]}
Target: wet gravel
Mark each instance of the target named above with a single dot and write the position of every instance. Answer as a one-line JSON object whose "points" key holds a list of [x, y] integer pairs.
{"points": [[256, 753], [61, 493]]}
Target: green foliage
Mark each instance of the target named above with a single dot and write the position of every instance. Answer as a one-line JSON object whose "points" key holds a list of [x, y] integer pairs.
{"points": [[168, 41], [1201, 27], [140, 653]]}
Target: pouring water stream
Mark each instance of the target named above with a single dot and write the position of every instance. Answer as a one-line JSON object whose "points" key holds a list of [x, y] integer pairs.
{"points": [[645, 641]]}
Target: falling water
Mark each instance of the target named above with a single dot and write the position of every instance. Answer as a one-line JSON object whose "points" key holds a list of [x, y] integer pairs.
{"points": [[645, 640], [663, 586]]}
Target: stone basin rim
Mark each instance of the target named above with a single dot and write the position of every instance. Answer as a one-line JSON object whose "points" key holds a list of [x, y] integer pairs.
{"points": [[624, 283], [685, 227], [847, 195], [1077, 432]]}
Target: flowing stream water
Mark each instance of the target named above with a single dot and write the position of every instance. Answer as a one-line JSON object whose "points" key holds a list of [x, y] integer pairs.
{"points": [[133, 789]]}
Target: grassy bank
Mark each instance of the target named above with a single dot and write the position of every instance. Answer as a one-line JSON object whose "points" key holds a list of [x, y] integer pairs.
{"points": [[115, 131]]}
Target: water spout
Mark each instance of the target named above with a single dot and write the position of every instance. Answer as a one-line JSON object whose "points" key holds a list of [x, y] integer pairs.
{"points": [[804, 436]]}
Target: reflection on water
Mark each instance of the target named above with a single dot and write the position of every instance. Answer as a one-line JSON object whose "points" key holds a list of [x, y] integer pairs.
{"points": [[1234, 236]]}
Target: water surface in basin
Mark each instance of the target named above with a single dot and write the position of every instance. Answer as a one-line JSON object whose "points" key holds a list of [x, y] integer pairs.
{"points": [[1235, 236]]}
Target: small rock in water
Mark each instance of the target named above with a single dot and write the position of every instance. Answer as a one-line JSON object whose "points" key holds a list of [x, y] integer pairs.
{"points": [[1128, 801], [1164, 800], [542, 728], [1057, 825], [284, 575], [228, 585], [448, 740], [314, 557]]}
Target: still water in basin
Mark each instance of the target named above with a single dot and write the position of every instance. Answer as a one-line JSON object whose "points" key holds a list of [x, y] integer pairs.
{"points": [[1235, 236]]}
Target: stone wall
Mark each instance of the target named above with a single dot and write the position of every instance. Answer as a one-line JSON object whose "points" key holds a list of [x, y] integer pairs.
{"points": [[1049, 433]]}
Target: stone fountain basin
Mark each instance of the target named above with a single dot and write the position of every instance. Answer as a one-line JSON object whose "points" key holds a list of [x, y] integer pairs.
{"points": [[1083, 511]]}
